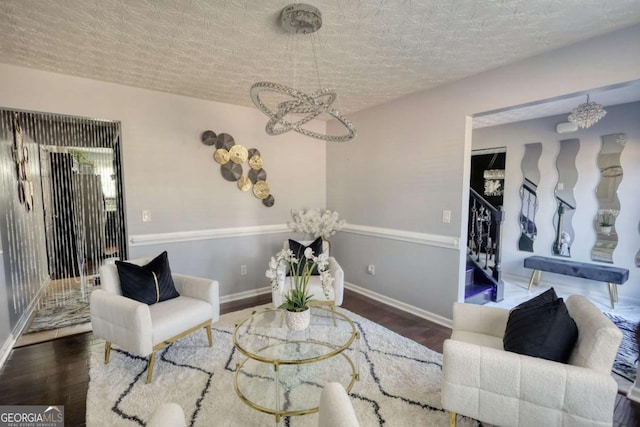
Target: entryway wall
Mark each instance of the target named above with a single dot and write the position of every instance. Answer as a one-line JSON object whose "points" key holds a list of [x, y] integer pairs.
{"points": [[621, 118], [49, 227]]}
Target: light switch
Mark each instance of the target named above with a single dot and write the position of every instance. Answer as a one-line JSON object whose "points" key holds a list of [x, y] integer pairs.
{"points": [[446, 216], [146, 215]]}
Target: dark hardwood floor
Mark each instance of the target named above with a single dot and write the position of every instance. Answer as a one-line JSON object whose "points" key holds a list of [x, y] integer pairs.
{"points": [[57, 372]]}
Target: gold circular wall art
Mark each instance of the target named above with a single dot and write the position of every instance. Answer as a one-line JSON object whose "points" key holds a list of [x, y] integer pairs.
{"points": [[230, 156], [255, 162], [261, 189], [238, 154], [244, 183], [221, 156]]}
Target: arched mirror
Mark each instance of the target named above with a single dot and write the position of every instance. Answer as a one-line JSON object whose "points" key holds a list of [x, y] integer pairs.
{"points": [[529, 196], [607, 194], [565, 200]]}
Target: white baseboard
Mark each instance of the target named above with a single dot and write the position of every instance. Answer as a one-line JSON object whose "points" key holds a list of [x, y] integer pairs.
{"points": [[366, 292], [245, 294], [6, 348], [435, 318]]}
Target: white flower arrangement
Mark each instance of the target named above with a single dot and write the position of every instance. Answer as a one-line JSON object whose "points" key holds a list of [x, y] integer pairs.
{"points": [[608, 217], [297, 298], [316, 222]]}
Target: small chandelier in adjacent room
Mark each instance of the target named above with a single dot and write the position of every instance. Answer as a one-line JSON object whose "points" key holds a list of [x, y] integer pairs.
{"points": [[585, 115], [289, 108]]}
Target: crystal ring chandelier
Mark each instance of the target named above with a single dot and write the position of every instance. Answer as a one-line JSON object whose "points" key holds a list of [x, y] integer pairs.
{"points": [[298, 108], [585, 115]]}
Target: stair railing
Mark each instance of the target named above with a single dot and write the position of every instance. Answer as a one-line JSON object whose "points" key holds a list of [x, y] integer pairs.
{"points": [[484, 237]]}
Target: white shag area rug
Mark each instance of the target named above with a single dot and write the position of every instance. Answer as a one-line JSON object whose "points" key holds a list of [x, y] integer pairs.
{"points": [[399, 382]]}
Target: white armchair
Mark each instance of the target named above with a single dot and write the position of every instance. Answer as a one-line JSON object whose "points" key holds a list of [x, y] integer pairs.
{"points": [[484, 382], [335, 408], [336, 292], [143, 329]]}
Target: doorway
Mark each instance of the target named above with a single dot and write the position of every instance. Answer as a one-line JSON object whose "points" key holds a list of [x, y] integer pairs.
{"points": [[483, 281], [76, 193]]}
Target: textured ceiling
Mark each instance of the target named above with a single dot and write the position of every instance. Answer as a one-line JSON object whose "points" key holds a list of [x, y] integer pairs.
{"points": [[371, 51]]}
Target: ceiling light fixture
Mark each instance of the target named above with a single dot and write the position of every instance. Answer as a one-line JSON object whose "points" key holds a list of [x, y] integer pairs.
{"points": [[585, 115], [291, 109]]}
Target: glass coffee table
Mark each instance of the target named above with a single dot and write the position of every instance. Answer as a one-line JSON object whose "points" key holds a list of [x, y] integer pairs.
{"points": [[285, 371]]}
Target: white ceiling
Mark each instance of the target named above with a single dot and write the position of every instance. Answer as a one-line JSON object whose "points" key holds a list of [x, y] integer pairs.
{"points": [[614, 95], [371, 51]]}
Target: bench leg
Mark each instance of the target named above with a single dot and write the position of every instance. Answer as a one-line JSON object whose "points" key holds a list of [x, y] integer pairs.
{"points": [[613, 294], [533, 277]]}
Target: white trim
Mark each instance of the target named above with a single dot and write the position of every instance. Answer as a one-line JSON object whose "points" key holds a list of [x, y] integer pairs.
{"points": [[435, 318], [245, 294], [216, 233], [6, 349], [449, 242], [22, 323]]}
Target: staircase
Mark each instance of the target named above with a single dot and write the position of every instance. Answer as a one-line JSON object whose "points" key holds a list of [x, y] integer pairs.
{"points": [[483, 276]]}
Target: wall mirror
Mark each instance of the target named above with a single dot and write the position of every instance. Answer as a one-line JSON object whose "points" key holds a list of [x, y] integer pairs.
{"points": [[607, 194], [529, 196], [566, 203]]}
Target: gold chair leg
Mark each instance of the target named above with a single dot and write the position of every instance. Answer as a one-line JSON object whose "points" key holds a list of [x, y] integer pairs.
{"points": [[533, 276], [107, 352], [209, 336], [152, 360], [452, 419], [612, 291], [539, 276]]}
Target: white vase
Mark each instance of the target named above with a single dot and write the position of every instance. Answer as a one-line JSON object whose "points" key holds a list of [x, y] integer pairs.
{"points": [[298, 320]]}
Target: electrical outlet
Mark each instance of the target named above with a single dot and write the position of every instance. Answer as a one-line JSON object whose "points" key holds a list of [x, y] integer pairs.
{"points": [[371, 269], [446, 216], [243, 270], [146, 215]]}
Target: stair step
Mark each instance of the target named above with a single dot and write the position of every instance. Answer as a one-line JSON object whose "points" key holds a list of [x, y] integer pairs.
{"points": [[468, 276], [478, 293]]}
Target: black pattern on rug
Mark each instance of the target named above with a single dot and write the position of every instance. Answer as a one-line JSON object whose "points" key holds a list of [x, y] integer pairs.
{"points": [[396, 374], [163, 356], [626, 361]]}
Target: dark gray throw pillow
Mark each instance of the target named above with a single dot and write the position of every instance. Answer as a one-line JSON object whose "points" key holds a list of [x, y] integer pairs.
{"points": [[298, 250], [546, 297], [148, 284], [542, 329]]}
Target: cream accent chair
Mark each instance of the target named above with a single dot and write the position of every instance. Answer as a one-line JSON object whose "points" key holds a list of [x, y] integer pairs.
{"points": [[484, 382], [336, 292], [335, 408], [167, 415], [143, 329]]}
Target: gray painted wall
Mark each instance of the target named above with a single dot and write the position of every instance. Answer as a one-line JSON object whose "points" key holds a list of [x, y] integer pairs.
{"points": [[24, 262], [621, 118], [410, 162]]}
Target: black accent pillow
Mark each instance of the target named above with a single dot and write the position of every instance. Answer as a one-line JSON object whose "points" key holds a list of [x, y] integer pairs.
{"points": [[546, 297], [543, 329], [298, 250], [150, 283]]}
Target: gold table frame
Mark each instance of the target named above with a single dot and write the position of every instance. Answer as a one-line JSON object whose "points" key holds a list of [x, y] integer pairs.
{"points": [[332, 351]]}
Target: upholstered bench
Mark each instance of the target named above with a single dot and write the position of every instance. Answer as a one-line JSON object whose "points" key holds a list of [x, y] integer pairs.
{"points": [[611, 275]]}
